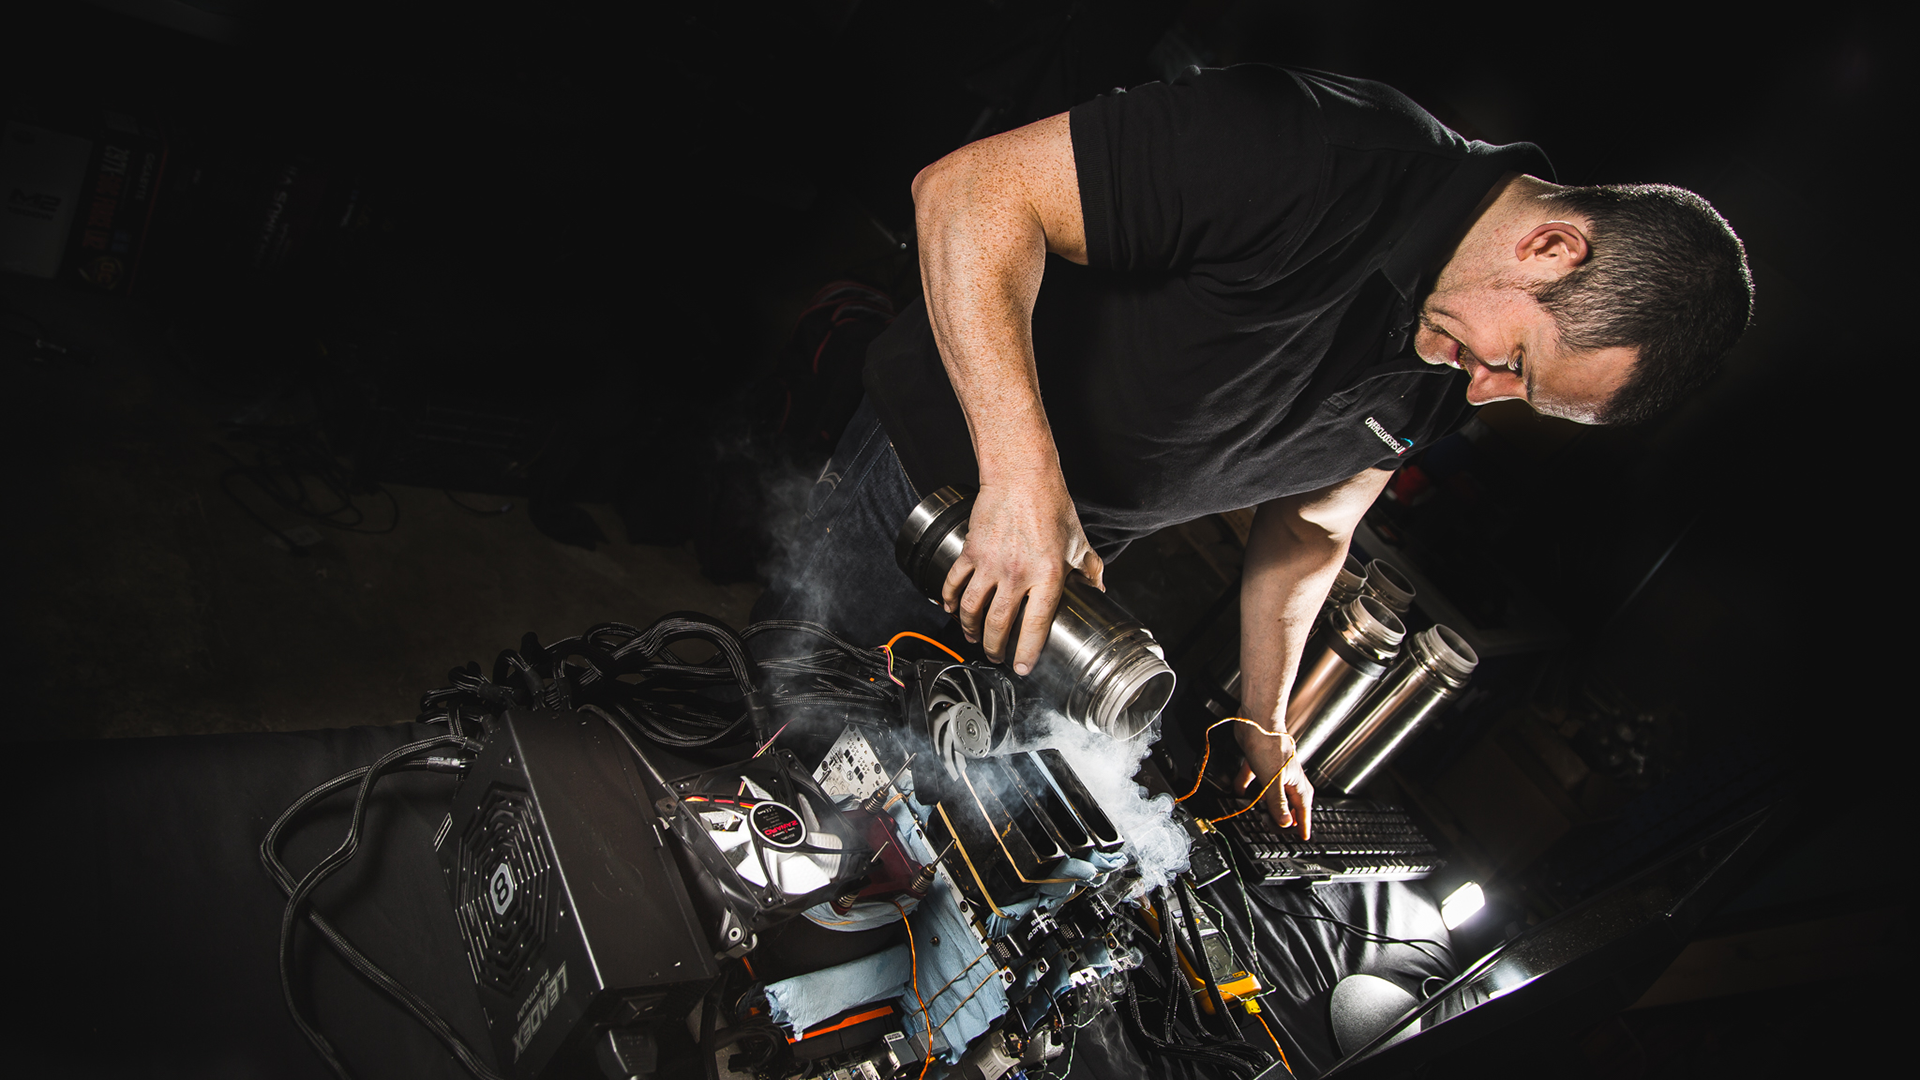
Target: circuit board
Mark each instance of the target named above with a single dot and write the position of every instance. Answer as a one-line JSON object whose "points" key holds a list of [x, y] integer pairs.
{"points": [[851, 768]]}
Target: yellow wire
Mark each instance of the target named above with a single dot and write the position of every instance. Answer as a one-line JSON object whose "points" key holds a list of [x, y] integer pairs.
{"points": [[991, 975], [956, 978]]}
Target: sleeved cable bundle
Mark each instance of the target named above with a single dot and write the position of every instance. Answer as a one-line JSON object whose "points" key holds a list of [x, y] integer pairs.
{"points": [[1182, 1031], [840, 675], [636, 675], [628, 672]]}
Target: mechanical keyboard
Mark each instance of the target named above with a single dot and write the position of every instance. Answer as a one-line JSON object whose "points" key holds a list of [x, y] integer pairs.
{"points": [[1353, 840]]}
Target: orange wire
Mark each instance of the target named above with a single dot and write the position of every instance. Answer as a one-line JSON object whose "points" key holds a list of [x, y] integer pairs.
{"points": [[1276, 1043], [914, 952], [909, 633], [1207, 751], [1257, 798]]}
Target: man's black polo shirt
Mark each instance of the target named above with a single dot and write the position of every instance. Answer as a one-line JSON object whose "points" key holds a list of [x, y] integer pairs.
{"points": [[1258, 242]]}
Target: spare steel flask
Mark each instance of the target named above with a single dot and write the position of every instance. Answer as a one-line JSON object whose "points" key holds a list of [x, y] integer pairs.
{"points": [[1348, 582], [1435, 668], [1387, 584], [1360, 641], [1099, 665]]}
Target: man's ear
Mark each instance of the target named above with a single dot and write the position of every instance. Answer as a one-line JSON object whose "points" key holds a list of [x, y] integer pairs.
{"points": [[1558, 246]]}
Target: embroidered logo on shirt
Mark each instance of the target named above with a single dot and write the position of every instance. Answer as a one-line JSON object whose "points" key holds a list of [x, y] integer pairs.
{"points": [[1398, 445]]}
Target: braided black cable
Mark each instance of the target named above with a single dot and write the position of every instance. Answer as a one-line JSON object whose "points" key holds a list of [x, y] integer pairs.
{"points": [[1170, 1048], [1209, 980], [404, 757], [626, 671], [635, 674]]}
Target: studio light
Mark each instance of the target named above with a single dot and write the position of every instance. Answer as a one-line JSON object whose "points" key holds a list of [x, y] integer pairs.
{"points": [[1461, 904]]}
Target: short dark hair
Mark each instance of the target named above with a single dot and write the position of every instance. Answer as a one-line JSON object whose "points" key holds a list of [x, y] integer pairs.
{"points": [[1664, 274]]}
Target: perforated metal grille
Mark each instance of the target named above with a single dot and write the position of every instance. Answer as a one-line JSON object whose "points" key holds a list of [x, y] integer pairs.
{"points": [[504, 888]]}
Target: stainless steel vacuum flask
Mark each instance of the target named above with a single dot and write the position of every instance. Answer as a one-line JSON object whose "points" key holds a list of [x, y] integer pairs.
{"points": [[1348, 582], [1436, 667], [1388, 585], [1099, 666], [1361, 639]]}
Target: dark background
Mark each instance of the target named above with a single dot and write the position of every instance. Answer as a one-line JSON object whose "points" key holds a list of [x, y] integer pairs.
{"points": [[616, 218], [593, 227]]}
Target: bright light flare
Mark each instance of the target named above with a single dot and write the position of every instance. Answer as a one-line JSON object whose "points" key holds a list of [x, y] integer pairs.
{"points": [[1462, 904]]}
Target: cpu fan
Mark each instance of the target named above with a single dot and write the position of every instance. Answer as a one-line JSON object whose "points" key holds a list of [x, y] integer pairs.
{"points": [[773, 843], [769, 843]]}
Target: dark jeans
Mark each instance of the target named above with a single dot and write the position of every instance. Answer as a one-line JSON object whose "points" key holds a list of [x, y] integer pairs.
{"points": [[836, 564]]}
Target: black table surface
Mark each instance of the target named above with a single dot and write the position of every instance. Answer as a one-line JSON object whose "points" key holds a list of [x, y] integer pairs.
{"points": [[145, 929]]}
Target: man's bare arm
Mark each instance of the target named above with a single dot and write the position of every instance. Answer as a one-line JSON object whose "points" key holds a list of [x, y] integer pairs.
{"points": [[987, 214], [1293, 553]]}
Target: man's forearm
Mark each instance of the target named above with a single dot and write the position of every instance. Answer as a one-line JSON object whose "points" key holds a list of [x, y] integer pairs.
{"points": [[987, 216], [1293, 553], [1285, 581]]}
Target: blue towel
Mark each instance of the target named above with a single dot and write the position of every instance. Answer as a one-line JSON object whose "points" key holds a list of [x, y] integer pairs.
{"points": [[805, 1000], [959, 981]]}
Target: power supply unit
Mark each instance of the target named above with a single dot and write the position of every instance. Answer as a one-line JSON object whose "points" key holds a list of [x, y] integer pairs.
{"points": [[578, 925]]}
